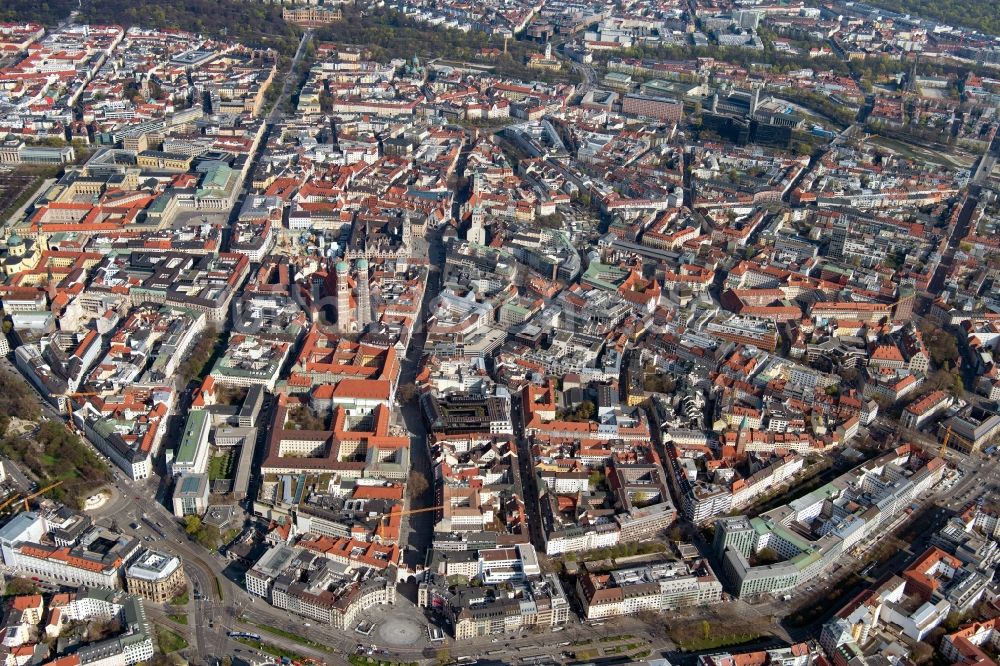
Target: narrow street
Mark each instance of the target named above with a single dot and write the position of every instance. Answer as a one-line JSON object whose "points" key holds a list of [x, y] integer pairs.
{"points": [[418, 528]]}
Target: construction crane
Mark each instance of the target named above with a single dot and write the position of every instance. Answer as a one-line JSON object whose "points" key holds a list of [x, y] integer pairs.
{"points": [[69, 405], [10, 500], [37, 493], [944, 443]]}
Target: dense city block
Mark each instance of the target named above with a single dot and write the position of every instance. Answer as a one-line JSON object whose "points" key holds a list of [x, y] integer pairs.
{"points": [[514, 332]]}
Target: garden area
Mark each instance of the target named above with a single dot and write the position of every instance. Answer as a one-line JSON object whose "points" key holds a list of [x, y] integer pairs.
{"points": [[221, 465], [52, 453], [169, 641], [694, 636]]}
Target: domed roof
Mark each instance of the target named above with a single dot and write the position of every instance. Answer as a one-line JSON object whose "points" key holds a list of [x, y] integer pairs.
{"points": [[14, 239], [362, 264], [341, 267]]}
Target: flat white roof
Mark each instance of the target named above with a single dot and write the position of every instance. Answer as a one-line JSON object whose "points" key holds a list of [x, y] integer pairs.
{"points": [[153, 566]]}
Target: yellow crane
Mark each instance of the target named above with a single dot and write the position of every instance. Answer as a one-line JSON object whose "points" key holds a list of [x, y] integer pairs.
{"points": [[944, 442], [37, 493], [10, 500], [69, 405]]}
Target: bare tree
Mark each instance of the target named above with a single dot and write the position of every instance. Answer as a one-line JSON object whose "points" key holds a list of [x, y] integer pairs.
{"points": [[418, 483]]}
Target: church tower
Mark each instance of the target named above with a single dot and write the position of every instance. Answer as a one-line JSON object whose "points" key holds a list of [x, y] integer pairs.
{"points": [[364, 294], [345, 315], [476, 233]]}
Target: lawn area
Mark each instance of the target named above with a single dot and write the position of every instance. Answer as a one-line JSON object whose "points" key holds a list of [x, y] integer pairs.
{"points": [[179, 618], [359, 660], [694, 635], [181, 599], [715, 642], [20, 185], [287, 634], [169, 641], [270, 649], [221, 466]]}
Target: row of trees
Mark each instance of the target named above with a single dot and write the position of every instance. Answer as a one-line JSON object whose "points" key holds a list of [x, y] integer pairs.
{"points": [[627, 549], [196, 360], [48, 12], [254, 24], [983, 15], [391, 34], [867, 71]]}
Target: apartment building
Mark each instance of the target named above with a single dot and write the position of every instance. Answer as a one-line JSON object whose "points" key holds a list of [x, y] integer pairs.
{"points": [[655, 587]]}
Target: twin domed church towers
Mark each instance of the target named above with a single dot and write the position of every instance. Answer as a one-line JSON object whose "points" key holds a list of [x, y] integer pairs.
{"points": [[354, 302]]}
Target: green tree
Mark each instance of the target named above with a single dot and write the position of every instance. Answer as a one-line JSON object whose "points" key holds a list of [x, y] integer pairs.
{"points": [[253, 24], [208, 536], [204, 534], [196, 360], [595, 478], [953, 621], [192, 524], [20, 586], [767, 556], [48, 12], [941, 345], [585, 411], [55, 454], [922, 653], [983, 15]]}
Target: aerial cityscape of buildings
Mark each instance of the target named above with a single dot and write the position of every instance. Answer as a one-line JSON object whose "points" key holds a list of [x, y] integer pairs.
{"points": [[674, 347]]}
